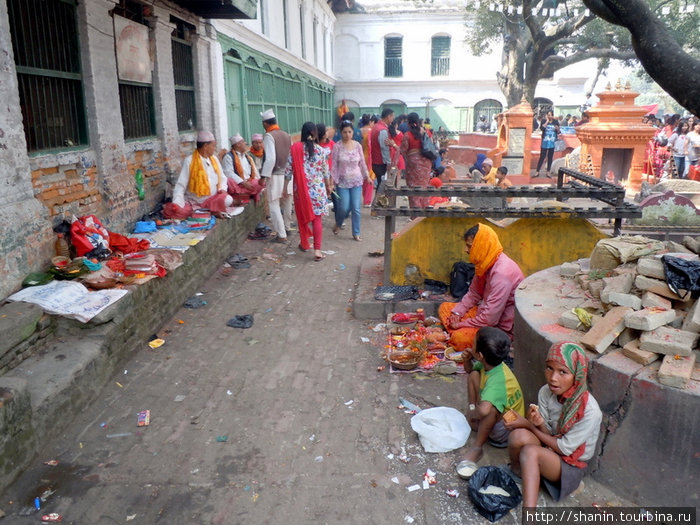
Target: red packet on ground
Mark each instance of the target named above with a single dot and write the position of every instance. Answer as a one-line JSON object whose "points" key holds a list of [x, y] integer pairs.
{"points": [[144, 418]]}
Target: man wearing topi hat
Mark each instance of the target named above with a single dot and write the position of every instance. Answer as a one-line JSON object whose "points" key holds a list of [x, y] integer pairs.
{"points": [[257, 150], [277, 144], [241, 173], [202, 183]]}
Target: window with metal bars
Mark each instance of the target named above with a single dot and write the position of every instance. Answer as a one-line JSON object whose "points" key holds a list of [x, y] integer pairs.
{"points": [[393, 61], [136, 98], [440, 56], [183, 74], [47, 59]]}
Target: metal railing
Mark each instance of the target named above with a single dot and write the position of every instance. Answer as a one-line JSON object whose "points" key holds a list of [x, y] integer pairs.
{"points": [[570, 184], [393, 67], [439, 67]]}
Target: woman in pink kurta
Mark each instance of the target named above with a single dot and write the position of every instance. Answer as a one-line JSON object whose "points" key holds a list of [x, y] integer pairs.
{"points": [[349, 172], [490, 300]]}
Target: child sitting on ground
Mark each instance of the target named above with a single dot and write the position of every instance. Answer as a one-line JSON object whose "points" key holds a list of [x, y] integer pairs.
{"points": [[493, 390], [501, 180], [559, 436]]}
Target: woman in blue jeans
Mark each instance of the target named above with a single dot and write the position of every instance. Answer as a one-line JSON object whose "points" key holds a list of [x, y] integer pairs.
{"points": [[349, 171]]}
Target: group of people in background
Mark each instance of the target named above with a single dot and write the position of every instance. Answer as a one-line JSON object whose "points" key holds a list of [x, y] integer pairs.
{"points": [[674, 151]]}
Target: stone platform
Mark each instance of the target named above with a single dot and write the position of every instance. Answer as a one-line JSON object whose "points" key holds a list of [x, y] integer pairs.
{"points": [[39, 398], [649, 446]]}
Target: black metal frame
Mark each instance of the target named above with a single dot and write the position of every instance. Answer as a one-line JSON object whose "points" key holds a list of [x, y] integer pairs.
{"points": [[581, 186]]}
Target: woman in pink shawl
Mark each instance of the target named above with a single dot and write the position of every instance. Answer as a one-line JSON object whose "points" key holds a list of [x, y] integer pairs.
{"points": [[308, 166]]}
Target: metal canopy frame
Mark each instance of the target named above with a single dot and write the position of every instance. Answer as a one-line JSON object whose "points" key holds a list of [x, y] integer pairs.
{"points": [[570, 184]]}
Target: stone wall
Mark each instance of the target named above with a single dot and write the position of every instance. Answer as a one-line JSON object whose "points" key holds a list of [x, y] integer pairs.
{"points": [[37, 398], [42, 188]]}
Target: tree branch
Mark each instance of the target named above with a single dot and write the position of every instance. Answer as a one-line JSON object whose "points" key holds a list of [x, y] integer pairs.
{"points": [[556, 62], [661, 55]]}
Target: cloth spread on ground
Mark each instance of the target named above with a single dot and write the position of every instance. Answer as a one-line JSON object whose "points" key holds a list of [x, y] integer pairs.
{"points": [[69, 299]]}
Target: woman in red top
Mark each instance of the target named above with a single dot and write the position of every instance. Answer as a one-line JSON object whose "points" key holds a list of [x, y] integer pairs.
{"points": [[324, 141], [418, 167]]}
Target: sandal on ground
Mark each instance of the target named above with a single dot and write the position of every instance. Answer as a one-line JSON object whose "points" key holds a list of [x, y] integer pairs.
{"points": [[336, 229], [302, 249], [357, 238], [319, 257], [466, 468]]}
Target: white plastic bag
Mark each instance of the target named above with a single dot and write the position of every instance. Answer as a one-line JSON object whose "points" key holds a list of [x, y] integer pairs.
{"points": [[441, 429]]}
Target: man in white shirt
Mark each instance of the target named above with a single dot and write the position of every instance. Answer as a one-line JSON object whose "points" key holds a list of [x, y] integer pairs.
{"points": [[241, 173], [201, 183], [277, 144]]}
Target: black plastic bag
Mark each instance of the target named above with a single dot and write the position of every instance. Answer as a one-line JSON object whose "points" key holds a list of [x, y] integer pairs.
{"points": [[437, 287], [241, 321], [428, 149], [396, 293], [493, 506], [460, 278], [682, 275]]}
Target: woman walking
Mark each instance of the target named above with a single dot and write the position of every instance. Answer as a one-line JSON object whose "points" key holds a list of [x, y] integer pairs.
{"points": [[677, 143], [308, 166], [550, 132], [418, 167], [349, 172]]}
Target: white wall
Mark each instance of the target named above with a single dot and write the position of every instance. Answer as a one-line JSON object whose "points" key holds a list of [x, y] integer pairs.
{"points": [[359, 61]]}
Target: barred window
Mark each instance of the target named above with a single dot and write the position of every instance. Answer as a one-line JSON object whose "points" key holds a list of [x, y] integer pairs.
{"points": [[393, 62], [440, 56], [183, 73], [135, 96], [47, 60]]}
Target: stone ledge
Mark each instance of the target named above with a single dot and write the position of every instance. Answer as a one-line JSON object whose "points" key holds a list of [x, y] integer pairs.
{"points": [[40, 397], [636, 449]]}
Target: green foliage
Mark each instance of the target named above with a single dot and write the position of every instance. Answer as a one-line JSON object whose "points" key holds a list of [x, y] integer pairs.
{"points": [[668, 213]]}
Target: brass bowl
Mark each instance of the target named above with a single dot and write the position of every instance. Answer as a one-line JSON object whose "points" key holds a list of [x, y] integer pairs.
{"points": [[404, 359]]}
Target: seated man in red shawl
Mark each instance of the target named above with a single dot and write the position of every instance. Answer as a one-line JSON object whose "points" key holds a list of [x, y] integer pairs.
{"points": [[241, 173], [201, 184], [490, 300]]}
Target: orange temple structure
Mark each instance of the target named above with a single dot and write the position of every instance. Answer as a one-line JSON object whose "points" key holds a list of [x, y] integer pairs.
{"points": [[614, 141]]}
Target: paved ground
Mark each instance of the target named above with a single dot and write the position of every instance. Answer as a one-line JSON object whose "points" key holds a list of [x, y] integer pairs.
{"points": [[288, 421]]}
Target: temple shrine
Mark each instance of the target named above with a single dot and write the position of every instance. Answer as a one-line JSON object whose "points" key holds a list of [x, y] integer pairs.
{"points": [[614, 141]]}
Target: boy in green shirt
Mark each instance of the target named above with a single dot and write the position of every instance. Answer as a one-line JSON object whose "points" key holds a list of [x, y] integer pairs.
{"points": [[493, 390]]}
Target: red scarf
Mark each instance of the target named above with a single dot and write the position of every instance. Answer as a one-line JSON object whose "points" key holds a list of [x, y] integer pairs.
{"points": [[272, 128], [575, 399], [302, 201]]}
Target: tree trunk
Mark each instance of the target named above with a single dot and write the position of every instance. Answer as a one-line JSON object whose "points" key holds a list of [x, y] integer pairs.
{"points": [[512, 76], [661, 56]]}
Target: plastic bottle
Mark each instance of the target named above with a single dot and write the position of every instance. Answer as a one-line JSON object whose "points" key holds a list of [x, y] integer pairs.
{"points": [[62, 247], [139, 184]]}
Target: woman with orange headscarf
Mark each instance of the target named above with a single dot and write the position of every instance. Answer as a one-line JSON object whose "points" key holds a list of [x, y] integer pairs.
{"points": [[490, 300]]}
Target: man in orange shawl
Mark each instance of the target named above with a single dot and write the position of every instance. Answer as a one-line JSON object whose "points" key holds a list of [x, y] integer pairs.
{"points": [[202, 183], [490, 300], [241, 173]]}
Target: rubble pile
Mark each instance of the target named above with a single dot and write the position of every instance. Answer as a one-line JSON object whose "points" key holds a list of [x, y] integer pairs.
{"points": [[631, 306]]}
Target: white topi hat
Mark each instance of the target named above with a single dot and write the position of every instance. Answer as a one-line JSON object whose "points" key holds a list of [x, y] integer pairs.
{"points": [[235, 139], [205, 136], [267, 114]]}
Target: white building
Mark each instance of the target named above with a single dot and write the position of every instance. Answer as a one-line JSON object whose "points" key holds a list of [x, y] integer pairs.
{"points": [[412, 57]]}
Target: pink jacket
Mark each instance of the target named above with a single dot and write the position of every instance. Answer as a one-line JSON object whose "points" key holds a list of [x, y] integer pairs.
{"points": [[494, 293]]}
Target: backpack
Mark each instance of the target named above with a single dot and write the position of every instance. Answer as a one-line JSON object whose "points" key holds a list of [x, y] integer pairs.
{"points": [[428, 148], [460, 278]]}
